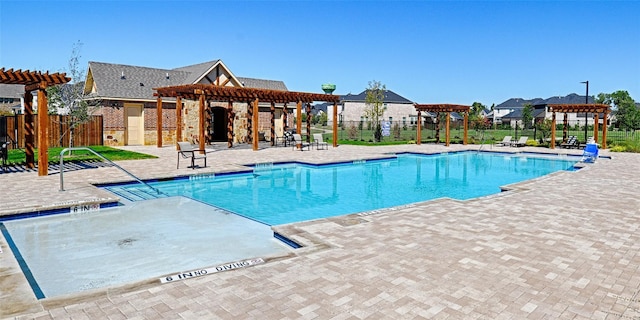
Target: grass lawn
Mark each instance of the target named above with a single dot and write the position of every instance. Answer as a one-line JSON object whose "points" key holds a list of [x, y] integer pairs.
{"points": [[17, 156]]}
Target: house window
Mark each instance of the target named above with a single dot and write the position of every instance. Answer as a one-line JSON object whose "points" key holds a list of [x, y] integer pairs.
{"points": [[404, 121], [390, 119]]}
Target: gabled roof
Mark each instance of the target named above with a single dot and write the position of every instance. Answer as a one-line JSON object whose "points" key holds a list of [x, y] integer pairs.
{"points": [[389, 97], [262, 84], [518, 103], [136, 83]]}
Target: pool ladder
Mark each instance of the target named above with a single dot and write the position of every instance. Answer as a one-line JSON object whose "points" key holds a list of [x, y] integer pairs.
{"points": [[65, 150]]}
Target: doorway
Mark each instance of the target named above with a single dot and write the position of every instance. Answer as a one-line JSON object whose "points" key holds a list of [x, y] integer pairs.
{"points": [[218, 124], [134, 122]]}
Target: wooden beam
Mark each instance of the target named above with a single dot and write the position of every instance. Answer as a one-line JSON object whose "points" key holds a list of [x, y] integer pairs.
{"points": [[604, 131], [419, 134], [299, 117], [273, 123], [308, 122], [255, 124], [595, 127], [178, 121], [447, 134], [230, 124], [159, 122], [466, 128], [553, 131], [29, 133], [43, 131], [201, 124], [335, 124]]}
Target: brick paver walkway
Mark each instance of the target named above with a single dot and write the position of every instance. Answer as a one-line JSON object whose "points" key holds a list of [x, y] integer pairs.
{"points": [[561, 247]]}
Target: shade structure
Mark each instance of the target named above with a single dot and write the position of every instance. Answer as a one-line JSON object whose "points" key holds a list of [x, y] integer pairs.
{"points": [[595, 108], [252, 96], [448, 108], [32, 81]]}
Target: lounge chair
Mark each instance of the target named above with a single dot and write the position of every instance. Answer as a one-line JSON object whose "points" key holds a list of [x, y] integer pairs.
{"points": [[572, 142], [297, 142], [187, 151], [317, 140], [521, 142], [506, 141]]}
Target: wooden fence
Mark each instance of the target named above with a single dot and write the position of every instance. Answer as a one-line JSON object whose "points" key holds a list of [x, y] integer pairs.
{"points": [[86, 134]]}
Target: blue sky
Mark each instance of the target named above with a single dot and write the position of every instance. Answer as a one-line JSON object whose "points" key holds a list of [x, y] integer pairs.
{"points": [[426, 51]]}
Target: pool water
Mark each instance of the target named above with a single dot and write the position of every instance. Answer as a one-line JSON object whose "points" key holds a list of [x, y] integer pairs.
{"points": [[288, 193]]}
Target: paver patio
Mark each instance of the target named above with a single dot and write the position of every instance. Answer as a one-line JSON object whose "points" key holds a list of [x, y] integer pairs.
{"points": [[560, 247]]}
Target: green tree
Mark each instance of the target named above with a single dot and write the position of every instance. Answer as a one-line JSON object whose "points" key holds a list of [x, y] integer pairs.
{"points": [[527, 115], [71, 99], [374, 108], [624, 108], [323, 119]]}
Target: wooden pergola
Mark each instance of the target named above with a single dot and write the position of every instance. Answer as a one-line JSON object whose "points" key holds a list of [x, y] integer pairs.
{"points": [[252, 96], [448, 108], [32, 81], [596, 109]]}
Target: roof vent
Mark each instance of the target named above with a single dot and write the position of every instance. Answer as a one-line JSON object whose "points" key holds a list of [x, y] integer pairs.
{"points": [[141, 84], [122, 75], [167, 76]]}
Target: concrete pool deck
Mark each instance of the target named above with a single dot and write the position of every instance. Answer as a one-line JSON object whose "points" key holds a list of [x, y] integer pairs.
{"points": [[565, 246]]}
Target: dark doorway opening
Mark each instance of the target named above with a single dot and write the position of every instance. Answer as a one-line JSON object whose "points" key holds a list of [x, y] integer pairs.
{"points": [[218, 125]]}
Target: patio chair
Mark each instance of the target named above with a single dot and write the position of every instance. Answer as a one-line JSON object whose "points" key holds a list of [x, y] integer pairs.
{"points": [[297, 143], [506, 141], [317, 140], [572, 142], [187, 151], [521, 142]]}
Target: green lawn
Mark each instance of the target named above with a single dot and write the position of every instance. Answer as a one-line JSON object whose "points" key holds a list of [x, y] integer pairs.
{"points": [[18, 156]]}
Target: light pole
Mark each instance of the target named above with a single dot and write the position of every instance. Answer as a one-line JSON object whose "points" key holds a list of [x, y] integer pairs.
{"points": [[586, 101]]}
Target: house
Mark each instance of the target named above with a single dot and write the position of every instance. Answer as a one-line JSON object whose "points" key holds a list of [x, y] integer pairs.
{"points": [[124, 96], [396, 108], [11, 96], [510, 111]]}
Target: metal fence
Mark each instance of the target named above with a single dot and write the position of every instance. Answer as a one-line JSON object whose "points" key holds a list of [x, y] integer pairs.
{"points": [[399, 131], [86, 134]]}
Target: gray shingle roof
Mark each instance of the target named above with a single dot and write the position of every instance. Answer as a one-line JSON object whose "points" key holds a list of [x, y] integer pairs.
{"points": [[11, 90], [389, 97], [262, 84], [134, 82]]}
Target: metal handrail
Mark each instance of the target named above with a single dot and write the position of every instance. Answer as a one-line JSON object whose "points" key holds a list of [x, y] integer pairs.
{"points": [[101, 157]]}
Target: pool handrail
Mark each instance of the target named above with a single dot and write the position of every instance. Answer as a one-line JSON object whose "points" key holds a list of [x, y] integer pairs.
{"points": [[101, 157]]}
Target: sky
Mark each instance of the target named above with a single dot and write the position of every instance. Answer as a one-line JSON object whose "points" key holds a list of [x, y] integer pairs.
{"points": [[427, 51]]}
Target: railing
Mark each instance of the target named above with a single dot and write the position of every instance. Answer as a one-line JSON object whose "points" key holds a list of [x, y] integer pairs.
{"points": [[101, 157]]}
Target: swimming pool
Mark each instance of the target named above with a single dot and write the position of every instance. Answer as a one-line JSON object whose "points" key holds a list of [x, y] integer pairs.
{"points": [[292, 192]]}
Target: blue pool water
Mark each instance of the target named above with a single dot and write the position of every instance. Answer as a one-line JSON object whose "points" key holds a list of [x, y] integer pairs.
{"points": [[287, 193]]}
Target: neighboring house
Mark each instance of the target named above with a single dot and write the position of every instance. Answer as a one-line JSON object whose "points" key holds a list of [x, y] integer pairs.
{"points": [[124, 95], [510, 111], [396, 108], [11, 96]]}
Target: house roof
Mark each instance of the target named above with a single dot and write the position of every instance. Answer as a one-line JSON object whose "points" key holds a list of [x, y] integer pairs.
{"points": [[134, 82], [11, 90], [389, 97], [518, 103]]}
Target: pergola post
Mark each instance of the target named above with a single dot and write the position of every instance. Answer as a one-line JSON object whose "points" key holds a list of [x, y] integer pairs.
{"points": [[466, 128], [308, 122], [335, 124], [178, 120], [201, 123], [230, 124], [604, 130], [447, 133], [299, 117], [419, 134], [43, 128], [553, 131], [29, 133], [284, 118], [249, 122], [437, 127], [595, 126], [273, 123], [159, 121], [255, 124]]}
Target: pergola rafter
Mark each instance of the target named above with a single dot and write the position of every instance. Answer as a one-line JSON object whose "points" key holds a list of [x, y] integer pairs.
{"points": [[35, 80], [595, 108], [252, 96], [443, 107]]}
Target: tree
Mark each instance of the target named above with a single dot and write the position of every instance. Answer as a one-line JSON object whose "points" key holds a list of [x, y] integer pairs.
{"points": [[527, 115], [70, 99], [624, 108], [374, 108]]}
